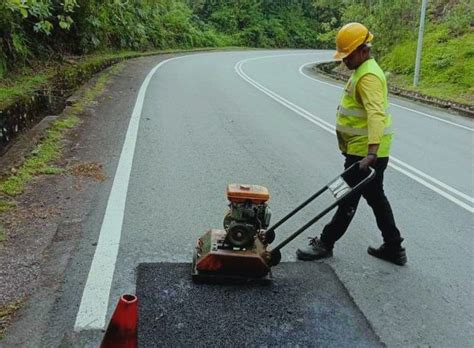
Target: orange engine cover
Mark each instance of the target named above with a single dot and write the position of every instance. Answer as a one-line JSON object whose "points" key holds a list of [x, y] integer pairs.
{"points": [[238, 193]]}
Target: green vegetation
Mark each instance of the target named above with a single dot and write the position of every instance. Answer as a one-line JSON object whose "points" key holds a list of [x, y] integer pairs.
{"points": [[49, 149], [53, 29], [35, 29], [6, 314], [22, 84], [269, 23], [6, 205], [39, 35], [38, 162], [447, 65]]}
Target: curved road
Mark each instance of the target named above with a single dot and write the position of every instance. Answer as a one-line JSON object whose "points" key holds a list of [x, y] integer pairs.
{"points": [[205, 120]]}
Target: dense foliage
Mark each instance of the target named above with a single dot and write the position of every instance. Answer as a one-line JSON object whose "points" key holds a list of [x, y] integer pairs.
{"points": [[32, 30], [42, 28]]}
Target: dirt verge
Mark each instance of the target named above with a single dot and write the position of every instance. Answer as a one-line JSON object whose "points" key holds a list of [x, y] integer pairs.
{"points": [[34, 220]]}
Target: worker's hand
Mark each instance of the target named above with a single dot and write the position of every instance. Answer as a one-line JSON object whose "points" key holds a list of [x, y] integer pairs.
{"points": [[367, 161]]}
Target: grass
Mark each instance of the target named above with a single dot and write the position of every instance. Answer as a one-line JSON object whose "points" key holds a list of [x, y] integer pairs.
{"points": [[23, 84], [6, 314], [447, 67], [6, 206], [50, 148], [47, 151]]}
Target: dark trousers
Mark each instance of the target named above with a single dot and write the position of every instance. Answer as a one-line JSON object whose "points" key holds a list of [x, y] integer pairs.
{"points": [[374, 194]]}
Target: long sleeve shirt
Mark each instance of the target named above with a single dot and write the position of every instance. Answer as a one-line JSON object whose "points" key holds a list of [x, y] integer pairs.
{"points": [[369, 92]]}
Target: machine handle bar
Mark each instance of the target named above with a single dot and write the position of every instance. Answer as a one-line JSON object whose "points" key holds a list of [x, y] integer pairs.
{"points": [[346, 194]]}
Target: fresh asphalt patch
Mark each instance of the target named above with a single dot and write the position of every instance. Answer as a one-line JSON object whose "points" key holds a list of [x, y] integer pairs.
{"points": [[304, 305]]}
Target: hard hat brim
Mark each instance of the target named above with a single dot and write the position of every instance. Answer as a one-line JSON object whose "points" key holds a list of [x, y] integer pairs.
{"points": [[339, 55], [370, 38]]}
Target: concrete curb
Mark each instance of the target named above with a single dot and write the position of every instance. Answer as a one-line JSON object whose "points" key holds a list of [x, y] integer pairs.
{"points": [[326, 68]]}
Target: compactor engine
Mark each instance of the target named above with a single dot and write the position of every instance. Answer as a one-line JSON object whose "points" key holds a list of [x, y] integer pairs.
{"points": [[248, 214]]}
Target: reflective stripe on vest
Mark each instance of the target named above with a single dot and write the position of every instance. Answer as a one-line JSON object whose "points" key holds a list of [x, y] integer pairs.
{"points": [[353, 112], [359, 131]]}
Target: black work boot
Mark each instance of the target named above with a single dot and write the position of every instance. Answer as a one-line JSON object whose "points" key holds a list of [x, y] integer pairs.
{"points": [[392, 253], [314, 251]]}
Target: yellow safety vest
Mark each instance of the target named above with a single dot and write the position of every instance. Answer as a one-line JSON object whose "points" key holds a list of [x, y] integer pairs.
{"points": [[351, 122]]}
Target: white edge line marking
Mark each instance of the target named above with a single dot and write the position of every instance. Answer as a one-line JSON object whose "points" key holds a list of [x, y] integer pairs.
{"points": [[436, 181], [393, 104], [95, 297], [330, 128], [446, 195]]}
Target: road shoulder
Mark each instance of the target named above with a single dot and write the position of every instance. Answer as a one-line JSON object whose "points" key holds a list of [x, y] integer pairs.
{"points": [[44, 231]]}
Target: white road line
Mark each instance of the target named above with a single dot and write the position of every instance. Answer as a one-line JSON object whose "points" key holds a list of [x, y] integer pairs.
{"points": [[416, 175], [393, 104], [95, 298], [433, 180]]}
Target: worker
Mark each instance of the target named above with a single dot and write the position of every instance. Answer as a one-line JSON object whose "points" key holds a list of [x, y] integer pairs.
{"points": [[364, 134]]}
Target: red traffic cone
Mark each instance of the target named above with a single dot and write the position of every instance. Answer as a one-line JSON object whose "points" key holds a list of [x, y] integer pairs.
{"points": [[122, 329]]}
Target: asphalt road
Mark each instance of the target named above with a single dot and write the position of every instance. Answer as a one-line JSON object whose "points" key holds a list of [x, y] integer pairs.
{"points": [[293, 310], [209, 119]]}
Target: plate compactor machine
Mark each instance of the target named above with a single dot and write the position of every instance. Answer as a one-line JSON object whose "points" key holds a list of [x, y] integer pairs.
{"points": [[240, 251]]}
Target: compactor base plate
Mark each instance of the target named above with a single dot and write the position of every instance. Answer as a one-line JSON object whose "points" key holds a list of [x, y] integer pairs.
{"points": [[214, 261]]}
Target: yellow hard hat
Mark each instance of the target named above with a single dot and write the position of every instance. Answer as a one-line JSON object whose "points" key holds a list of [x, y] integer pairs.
{"points": [[349, 37]]}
